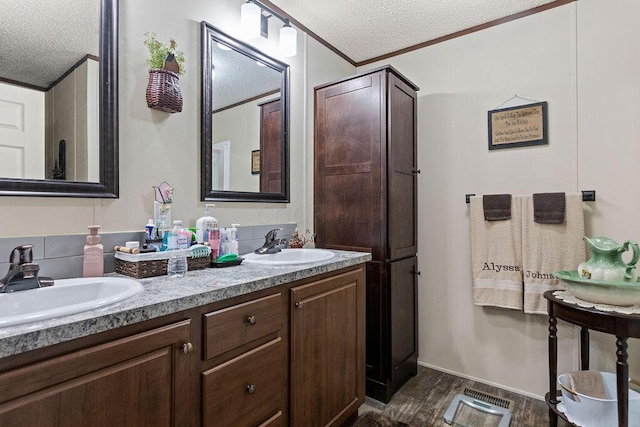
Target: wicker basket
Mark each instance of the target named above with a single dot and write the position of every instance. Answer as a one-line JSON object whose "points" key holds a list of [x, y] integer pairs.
{"points": [[140, 266], [163, 91]]}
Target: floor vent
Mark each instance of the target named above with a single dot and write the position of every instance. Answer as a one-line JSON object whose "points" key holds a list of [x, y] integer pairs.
{"points": [[479, 409], [489, 398]]}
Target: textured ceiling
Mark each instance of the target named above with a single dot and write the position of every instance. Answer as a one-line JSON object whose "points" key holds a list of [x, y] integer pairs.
{"points": [[238, 78], [41, 40], [365, 29]]}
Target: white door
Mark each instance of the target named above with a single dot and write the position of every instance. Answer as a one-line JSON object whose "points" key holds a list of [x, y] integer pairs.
{"points": [[21, 132], [221, 159]]}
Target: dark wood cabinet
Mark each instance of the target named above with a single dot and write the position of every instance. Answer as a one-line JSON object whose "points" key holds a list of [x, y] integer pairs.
{"points": [[291, 355], [141, 380], [245, 383], [365, 198], [327, 350], [271, 147]]}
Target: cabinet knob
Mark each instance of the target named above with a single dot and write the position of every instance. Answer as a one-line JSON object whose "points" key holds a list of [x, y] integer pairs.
{"points": [[252, 320], [251, 388], [187, 348], [299, 305], [416, 171], [417, 273]]}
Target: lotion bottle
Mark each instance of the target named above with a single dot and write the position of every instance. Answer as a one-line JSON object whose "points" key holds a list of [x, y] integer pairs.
{"points": [[93, 262]]}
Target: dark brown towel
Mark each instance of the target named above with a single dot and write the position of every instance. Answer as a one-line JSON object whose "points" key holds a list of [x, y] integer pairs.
{"points": [[548, 208], [497, 207]]}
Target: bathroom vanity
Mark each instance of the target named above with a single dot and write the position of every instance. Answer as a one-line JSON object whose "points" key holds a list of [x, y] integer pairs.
{"points": [[250, 345]]}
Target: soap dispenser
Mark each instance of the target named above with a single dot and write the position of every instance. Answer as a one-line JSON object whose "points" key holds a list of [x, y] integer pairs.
{"points": [[204, 224], [93, 262]]}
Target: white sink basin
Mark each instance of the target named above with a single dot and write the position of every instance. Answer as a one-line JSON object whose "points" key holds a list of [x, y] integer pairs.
{"points": [[66, 296], [289, 257]]}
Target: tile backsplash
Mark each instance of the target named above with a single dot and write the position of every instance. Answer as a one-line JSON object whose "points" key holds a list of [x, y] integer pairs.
{"points": [[60, 257]]}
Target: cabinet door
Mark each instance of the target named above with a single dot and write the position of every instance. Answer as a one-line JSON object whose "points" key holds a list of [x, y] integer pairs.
{"points": [[404, 336], [271, 159], [349, 131], [327, 350], [140, 380], [402, 169]]}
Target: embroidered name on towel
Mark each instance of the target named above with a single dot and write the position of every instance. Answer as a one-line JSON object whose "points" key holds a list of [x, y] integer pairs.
{"points": [[538, 275], [490, 266]]}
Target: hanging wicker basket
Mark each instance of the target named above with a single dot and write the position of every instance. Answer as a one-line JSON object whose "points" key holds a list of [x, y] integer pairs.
{"points": [[163, 91]]}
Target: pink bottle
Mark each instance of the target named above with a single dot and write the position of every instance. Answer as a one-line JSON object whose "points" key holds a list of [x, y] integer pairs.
{"points": [[93, 263]]}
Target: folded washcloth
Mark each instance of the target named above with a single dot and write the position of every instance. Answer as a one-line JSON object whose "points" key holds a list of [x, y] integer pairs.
{"points": [[548, 208], [497, 207], [588, 383], [496, 256], [547, 248]]}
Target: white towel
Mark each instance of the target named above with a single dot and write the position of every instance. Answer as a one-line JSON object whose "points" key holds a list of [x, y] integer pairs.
{"points": [[496, 257], [550, 247]]}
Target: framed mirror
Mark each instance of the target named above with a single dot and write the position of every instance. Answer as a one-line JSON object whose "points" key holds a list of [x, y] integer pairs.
{"points": [[244, 123], [70, 151]]}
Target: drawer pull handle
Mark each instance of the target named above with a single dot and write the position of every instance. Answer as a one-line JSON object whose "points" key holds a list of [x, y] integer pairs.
{"points": [[299, 305], [251, 388], [252, 320], [187, 348]]}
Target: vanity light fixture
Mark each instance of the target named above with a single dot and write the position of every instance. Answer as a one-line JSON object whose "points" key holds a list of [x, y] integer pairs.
{"points": [[255, 23], [250, 17]]}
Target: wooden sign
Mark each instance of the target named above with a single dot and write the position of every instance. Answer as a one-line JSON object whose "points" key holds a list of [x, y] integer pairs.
{"points": [[255, 162], [520, 126]]}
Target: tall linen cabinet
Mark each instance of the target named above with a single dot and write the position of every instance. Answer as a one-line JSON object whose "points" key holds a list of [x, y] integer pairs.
{"points": [[365, 199]]}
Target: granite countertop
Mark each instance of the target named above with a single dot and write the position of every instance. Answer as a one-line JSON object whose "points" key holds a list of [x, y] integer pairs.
{"points": [[163, 295]]}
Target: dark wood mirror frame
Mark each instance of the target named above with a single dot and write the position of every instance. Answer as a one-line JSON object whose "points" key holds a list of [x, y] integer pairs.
{"points": [[108, 128], [210, 36]]}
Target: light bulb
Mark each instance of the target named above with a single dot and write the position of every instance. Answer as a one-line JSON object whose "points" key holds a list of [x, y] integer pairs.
{"points": [[250, 20], [288, 41]]}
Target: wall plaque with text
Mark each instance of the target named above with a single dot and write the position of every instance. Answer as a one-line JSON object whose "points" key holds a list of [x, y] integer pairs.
{"points": [[520, 126]]}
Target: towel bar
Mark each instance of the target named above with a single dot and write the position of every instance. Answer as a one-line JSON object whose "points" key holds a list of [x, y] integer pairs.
{"points": [[587, 196]]}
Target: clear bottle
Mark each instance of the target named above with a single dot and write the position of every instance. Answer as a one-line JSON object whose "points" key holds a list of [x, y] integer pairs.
{"points": [[177, 264], [234, 239], [179, 238]]}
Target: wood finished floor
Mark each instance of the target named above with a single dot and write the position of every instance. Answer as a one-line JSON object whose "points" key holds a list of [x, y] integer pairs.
{"points": [[423, 400]]}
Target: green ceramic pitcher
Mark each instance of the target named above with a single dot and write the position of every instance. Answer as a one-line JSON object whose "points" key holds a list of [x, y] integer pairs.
{"points": [[606, 263]]}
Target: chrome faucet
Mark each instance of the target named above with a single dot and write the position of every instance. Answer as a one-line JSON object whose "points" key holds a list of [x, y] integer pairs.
{"points": [[23, 272], [271, 244]]}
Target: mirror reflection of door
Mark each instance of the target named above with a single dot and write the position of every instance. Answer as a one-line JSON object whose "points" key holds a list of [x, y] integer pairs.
{"points": [[221, 159], [270, 147], [21, 132], [61, 69]]}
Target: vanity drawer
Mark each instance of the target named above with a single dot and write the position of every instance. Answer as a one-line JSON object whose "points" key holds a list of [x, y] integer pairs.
{"points": [[246, 390], [240, 324]]}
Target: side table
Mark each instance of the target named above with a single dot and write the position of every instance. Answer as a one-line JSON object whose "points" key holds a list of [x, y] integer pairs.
{"points": [[623, 326]]}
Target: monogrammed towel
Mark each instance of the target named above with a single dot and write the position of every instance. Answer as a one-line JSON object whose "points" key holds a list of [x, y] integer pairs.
{"points": [[496, 257], [549, 247]]}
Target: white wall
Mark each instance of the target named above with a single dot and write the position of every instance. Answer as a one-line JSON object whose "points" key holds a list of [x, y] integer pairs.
{"points": [[156, 146], [593, 133]]}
